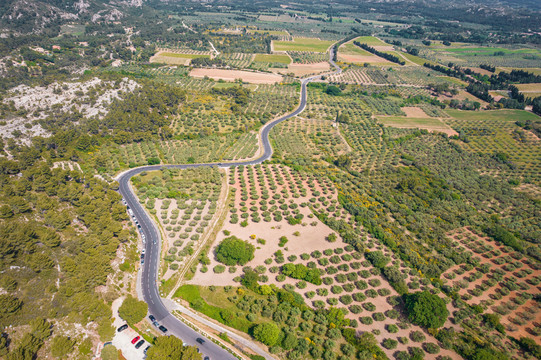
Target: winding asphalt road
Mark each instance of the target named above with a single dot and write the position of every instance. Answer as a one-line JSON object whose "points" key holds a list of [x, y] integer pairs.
{"points": [[149, 276]]}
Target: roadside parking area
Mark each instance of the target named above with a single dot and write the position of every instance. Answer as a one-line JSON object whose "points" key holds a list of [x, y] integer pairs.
{"points": [[122, 340]]}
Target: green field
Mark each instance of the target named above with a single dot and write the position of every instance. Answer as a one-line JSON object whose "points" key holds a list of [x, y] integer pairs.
{"points": [[417, 59], [496, 115], [303, 44], [371, 41], [274, 58], [351, 49]]}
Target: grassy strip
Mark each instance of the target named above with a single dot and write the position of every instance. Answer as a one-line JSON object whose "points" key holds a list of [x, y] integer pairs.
{"points": [[275, 58], [184, 56], [303, 44], [225, 316]]}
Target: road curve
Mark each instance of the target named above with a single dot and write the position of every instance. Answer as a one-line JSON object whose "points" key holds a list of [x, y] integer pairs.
{"points": [[149, 275]]}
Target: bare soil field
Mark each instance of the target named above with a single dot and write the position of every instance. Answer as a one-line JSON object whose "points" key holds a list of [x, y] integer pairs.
{"points": [[232, 75], [301, 70], [414, 112]]}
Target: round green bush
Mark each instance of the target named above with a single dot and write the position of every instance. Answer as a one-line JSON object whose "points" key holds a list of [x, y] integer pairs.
{"points": [[234, 251], [218, 269]]}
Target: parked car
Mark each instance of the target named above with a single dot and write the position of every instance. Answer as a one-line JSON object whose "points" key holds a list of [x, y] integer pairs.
{"points": [[142, 258], [152, 318], [139, 344], [206, 358], [155, 323], [135, 339], [146, 349], [122, 328], [162, 328], [199, 340]]}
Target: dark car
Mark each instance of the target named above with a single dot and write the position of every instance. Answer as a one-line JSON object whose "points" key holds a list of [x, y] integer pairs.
{"points": [[206, 358], [139, 344], [142, 258], [163, 328], [199, 340], [152, 318], [122, 328], [148, 347]]}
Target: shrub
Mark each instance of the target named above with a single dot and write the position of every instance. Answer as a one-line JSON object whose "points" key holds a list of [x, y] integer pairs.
{"points": [[218, 269], [369, 306], [346, 299], [431, 348], [366, 320], [417, 336], [267, 333], [392, 328], [389, 344]]}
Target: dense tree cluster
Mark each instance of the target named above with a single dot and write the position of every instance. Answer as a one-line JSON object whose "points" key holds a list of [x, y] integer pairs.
{"points": [[132, 310], [233, 251], [426, 309], [171, 347], [302, 272]]}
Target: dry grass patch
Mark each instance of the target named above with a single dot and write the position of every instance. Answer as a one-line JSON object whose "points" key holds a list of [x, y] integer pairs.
{"points": [[300, 70], [173, 58], [426, 123]]}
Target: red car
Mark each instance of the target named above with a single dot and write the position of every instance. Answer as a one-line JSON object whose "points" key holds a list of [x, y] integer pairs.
{"points": [[135, 339]]}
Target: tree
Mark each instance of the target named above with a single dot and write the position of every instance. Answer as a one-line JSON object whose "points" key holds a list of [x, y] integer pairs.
{"points": [[61, 346], [333, 90], [9, 305], [171, 347], [132, 310], [234, 251], [250, 279], [342, 161], [267, 333], [426, 309], [377, 258], [110, 352]]}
